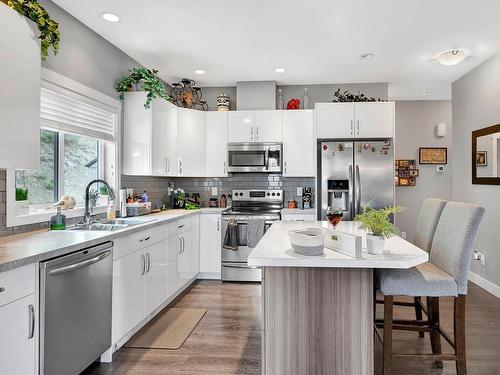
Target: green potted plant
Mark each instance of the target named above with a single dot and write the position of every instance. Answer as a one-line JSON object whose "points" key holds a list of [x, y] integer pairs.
{"points": [[142, 79], [49, 29], [22, 202], [378, 227]]}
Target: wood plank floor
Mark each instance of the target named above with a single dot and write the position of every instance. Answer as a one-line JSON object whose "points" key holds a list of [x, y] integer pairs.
{"points": [[228, 338]]}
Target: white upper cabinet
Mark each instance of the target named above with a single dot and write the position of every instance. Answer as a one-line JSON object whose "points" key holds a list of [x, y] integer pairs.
{"points": [[335, 120], [170, 143], [299, 143], [191, 142], [241, 126], [164, 138], [215, 144], [355, 120], [374, 119], [269, 126], [20, 92]]}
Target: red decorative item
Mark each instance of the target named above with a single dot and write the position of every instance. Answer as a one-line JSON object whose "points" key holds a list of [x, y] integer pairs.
{"points": [[293, 104]]}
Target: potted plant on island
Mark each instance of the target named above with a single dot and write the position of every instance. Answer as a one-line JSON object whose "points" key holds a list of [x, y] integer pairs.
{"points": [[378, 227], [142, 79]]}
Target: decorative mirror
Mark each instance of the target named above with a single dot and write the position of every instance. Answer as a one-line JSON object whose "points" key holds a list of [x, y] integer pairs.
{"points": [[486, 156]]}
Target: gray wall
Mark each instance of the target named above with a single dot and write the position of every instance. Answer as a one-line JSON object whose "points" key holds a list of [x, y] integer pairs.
{"points": [[415, 126], [475, 104]]}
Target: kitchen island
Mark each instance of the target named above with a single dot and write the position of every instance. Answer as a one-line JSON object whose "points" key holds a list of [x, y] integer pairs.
{"points": [[318, 311]]}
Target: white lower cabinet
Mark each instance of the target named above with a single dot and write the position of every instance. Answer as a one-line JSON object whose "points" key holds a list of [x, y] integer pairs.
{"points": [[156, 275], [210, 246], [17, 337], [128, 293], [173, 271]]}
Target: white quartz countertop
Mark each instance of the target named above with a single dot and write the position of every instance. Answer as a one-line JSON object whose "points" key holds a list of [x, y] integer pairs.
{"points": [[22, 249], [274, 250], [298, 211]]}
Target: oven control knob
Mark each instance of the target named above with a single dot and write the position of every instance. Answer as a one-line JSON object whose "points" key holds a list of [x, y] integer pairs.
{"points": [[268, 194], [273, 194], [278, 194]]}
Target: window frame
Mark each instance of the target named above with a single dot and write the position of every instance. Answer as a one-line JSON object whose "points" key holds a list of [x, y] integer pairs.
{"points": [[65, 86]]}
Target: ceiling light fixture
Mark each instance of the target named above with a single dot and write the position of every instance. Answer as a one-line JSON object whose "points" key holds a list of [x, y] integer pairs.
{"points": [[280, 70], [366, 56], [451, 57], [199, 71], [110, 17]]}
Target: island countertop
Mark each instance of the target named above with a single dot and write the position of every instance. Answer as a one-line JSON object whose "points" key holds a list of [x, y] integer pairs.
{"points": [[274, 250]]}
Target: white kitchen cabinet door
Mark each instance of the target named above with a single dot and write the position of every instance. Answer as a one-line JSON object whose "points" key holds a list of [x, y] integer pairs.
{"points": [[137, 135], [191, 142], [216, 144], [170, 143], [17, 336], [173, 269], [335, 120], [195, 245], [128, 293], [299, 143], [186, 257], [374, 119], [159, 156], [156, 275], [240, 127], [210, 246], [269, 126], [20, 71]]}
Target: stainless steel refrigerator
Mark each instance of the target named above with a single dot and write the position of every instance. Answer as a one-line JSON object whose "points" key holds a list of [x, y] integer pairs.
{"points": [[352, 174]]}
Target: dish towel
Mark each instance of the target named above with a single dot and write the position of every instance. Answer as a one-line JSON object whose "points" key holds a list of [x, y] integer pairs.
{"points": [[255, 231], [231, 236]]}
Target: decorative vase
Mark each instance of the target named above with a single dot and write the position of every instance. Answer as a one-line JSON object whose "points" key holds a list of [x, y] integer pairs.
{"points": [[305, 99], [223, 103], [22, 207], [281, 100], [375, 244]]}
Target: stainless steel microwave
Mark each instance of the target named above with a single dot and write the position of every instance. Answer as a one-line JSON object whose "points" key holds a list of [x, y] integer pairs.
{"points": [[255, 157]]}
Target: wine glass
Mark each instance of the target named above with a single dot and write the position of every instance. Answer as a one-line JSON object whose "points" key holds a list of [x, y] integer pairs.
{"points": [[334, 215]]}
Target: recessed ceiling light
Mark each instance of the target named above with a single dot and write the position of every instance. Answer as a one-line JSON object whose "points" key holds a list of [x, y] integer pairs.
{"points": [[110, 17], [426, 93], [366, 56], [451, 57], [280, 70], [199, 71]]}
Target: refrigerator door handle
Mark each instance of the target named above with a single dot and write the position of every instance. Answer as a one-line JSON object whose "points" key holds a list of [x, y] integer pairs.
{"points": [[358, 191], [351, 197]]}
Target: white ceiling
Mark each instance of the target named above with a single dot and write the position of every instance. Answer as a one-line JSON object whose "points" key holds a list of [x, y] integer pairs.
{"points": [[317, 41]]}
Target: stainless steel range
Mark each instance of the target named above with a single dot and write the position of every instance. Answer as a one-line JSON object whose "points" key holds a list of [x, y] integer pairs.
{"points": [[252, 214]]}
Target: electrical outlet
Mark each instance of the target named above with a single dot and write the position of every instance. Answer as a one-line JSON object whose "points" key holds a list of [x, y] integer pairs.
{"points": [[403, 235], [299, 191], [480, 256], [214, 190]]}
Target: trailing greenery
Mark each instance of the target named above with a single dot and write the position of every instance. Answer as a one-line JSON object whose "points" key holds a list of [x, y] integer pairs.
{"points": [[49, 29], [149, 82], [377, 221], [21, 194], [347, 96]]}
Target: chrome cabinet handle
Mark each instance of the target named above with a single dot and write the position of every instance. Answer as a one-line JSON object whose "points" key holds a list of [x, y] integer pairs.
{"points": [[78, 265], [257, 132], [180, 166], [168, 165], [218, 225], [165, 170], [251, 133], [183, 244], [352, 127], [285, 166], [358, 190], [2, 289], [225, 167], [180, 245], [358, 126], [143, 264], [31, 310], [145, 239], [148, 262]]}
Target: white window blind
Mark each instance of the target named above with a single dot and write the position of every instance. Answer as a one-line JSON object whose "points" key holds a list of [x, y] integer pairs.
{"points": [[61, 112]]}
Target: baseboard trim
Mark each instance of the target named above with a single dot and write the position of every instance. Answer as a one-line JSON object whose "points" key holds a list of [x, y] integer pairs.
{"points": [[485, 284], [209, 276]]}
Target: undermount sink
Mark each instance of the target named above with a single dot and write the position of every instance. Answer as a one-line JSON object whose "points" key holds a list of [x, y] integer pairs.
{"points": [[112, 225]]}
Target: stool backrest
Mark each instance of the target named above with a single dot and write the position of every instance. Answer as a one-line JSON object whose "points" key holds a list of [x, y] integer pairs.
{"points": [[427, 222], [454, 240]]}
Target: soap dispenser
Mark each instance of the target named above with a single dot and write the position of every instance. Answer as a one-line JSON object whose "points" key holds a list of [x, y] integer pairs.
{"points": [[58, 221]]}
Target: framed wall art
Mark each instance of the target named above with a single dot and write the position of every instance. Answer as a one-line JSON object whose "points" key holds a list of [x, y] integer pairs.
{"points": [[481, 158], [406, 173], [433, 155]]}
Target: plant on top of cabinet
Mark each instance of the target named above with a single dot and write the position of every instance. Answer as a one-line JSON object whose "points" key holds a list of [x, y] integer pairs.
{"points": [[347, 96], [49, 29], [146, 80]]}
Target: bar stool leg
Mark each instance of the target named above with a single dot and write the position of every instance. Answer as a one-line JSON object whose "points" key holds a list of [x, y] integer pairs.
{"points": [[418, 312], [434, 323], [388, 318], [459, 333]]}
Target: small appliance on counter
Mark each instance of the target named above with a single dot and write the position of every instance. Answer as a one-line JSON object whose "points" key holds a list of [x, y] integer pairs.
{"points": [[307, 198], [222, 201], [292, 203]]}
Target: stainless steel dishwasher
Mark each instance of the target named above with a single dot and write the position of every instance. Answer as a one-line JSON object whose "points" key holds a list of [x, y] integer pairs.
{"points": [[75, 309]]}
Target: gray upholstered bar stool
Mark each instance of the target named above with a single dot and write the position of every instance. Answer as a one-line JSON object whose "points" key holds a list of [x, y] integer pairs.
{"points": [[445, 275], [425, 228]]}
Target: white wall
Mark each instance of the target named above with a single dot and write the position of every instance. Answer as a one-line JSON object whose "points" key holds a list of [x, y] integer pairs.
{"points": [[475, 105], [416, 126]]}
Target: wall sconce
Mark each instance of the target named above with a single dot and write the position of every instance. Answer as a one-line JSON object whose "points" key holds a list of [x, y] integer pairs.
{"points": [[441, 129]]}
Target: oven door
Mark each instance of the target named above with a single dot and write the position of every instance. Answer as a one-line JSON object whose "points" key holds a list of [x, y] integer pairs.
{"points": [[254, 157]]}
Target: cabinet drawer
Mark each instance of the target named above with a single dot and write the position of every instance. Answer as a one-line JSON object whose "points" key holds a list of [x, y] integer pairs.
{"points": [[184, 224], [129, 243], [17, 283]]}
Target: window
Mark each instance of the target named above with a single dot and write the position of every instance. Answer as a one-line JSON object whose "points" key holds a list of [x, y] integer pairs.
{"points": [[78, 128]]}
